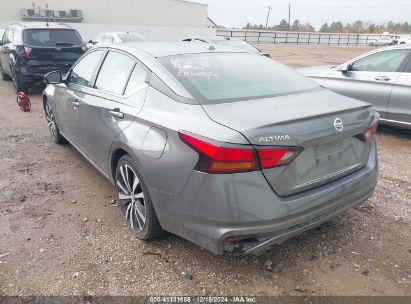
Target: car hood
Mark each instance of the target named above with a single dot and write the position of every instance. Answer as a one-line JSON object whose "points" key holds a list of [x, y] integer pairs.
{"points": [[317, 71]]}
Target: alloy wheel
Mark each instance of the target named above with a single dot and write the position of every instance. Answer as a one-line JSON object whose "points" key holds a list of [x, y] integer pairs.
{"points": [[131, 197], [50, 120]]}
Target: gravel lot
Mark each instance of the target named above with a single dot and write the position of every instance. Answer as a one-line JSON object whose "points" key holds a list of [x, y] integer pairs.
{"points": [[62, 234]]}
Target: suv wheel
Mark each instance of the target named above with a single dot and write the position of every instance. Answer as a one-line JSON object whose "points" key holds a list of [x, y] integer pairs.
{"points": [[3, 75], [51, 121], [134, 200], [20, 86]]}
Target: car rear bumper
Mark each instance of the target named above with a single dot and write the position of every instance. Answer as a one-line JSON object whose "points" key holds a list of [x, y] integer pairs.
{"points": [[212, 208], [36, 73]]}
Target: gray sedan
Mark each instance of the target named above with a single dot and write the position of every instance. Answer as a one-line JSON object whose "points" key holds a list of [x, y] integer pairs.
{"points": [[381, 77], [228, 149]]}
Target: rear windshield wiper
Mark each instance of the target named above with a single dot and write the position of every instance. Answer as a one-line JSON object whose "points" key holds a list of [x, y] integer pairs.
{"points": [[63, 44]]}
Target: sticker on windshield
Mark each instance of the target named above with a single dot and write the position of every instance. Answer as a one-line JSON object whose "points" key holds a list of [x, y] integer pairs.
{"points": [[190, 67]]}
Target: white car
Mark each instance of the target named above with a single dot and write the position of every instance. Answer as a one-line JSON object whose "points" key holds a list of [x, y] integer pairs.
{"points": [[384, 41], [405, 40], [116, 37]]}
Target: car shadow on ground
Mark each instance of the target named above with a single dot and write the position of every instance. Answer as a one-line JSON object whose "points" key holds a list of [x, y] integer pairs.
{"points": [[394, 131]]}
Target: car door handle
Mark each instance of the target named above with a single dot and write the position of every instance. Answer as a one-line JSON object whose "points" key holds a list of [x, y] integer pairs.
{"points": [[382, 78], [75, 104], [116, 113]]}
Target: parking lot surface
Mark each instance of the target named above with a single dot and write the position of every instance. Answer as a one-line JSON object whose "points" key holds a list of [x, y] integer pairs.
{"points": [[61, 232]]}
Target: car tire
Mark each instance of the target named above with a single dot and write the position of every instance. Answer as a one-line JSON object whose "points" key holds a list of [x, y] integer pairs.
{"points": [[3, 75], [371, 44], [19, 86], [52, 124], [134, 200]]}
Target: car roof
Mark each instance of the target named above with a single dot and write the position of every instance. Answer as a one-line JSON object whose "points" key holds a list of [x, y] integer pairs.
{"points": [[213, 38], [162, 49], [118, 33], [41, 25]]}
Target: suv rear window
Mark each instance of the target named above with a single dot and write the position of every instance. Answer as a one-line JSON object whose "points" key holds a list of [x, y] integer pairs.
{"points": [[51, 37]]}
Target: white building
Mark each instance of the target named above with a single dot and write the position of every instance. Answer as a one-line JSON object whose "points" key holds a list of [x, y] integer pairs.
{"points": [[139, 12], [156, 19]]}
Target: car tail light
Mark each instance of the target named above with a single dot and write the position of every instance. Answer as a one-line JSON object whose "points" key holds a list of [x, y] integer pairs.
{"points": [[27, 51], [372, 129], [23, 51], [217, 159], [276, 157]]}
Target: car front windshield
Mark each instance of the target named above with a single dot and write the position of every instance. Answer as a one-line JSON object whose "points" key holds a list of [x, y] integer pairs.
{"points": [[132, 37], [239, 44], [226, 77]]}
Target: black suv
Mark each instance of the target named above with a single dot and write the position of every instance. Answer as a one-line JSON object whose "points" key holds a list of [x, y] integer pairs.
{"points": [[29, 51]]}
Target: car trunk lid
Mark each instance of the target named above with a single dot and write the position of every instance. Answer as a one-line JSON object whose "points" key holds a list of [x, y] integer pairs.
{"points": [[308, 120]]}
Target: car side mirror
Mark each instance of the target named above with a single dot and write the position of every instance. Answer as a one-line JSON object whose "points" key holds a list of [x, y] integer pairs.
{"points": [[345, 68], [54, 77]]}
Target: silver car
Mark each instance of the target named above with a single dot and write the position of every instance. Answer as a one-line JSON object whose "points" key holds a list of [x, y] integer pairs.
{"points": [[228, 149], [381, 77]]}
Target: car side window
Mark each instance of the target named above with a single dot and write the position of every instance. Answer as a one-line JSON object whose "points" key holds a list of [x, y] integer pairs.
{"points": [[4, 38], [114, 73], [137, 78], [408, 67], [386, 61], [108, 39], [99, 38], [83, 71]]}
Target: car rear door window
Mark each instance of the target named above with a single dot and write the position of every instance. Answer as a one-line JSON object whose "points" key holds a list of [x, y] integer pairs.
{"points": [[83, 71], [386, 61], [114, 73], [137, 78]]}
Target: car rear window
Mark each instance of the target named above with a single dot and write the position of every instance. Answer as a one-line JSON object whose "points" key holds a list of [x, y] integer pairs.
{"points": [[227, 77], [51, 37]]}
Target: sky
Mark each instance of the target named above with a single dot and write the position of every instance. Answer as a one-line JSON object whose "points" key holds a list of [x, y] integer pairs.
{"points": [[236, 13]]}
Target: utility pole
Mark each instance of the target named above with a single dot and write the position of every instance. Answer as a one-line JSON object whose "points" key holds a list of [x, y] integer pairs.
{"points": [[289, 15], [268, 16]]}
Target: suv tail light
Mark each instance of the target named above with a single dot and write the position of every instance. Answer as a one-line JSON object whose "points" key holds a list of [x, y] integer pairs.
{"points": [[217, 159], [27, 51], [23, 51], [372, 129]]}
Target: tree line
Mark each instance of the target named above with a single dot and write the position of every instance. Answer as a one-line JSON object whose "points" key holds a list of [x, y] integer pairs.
{"points": [[337, 27]]}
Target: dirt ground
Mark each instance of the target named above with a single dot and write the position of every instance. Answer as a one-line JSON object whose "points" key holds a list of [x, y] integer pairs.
{"points": [[62, 234]]}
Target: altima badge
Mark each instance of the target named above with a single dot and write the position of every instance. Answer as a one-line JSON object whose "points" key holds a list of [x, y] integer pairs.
{"points": [[274, 138], [338, 124]]}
